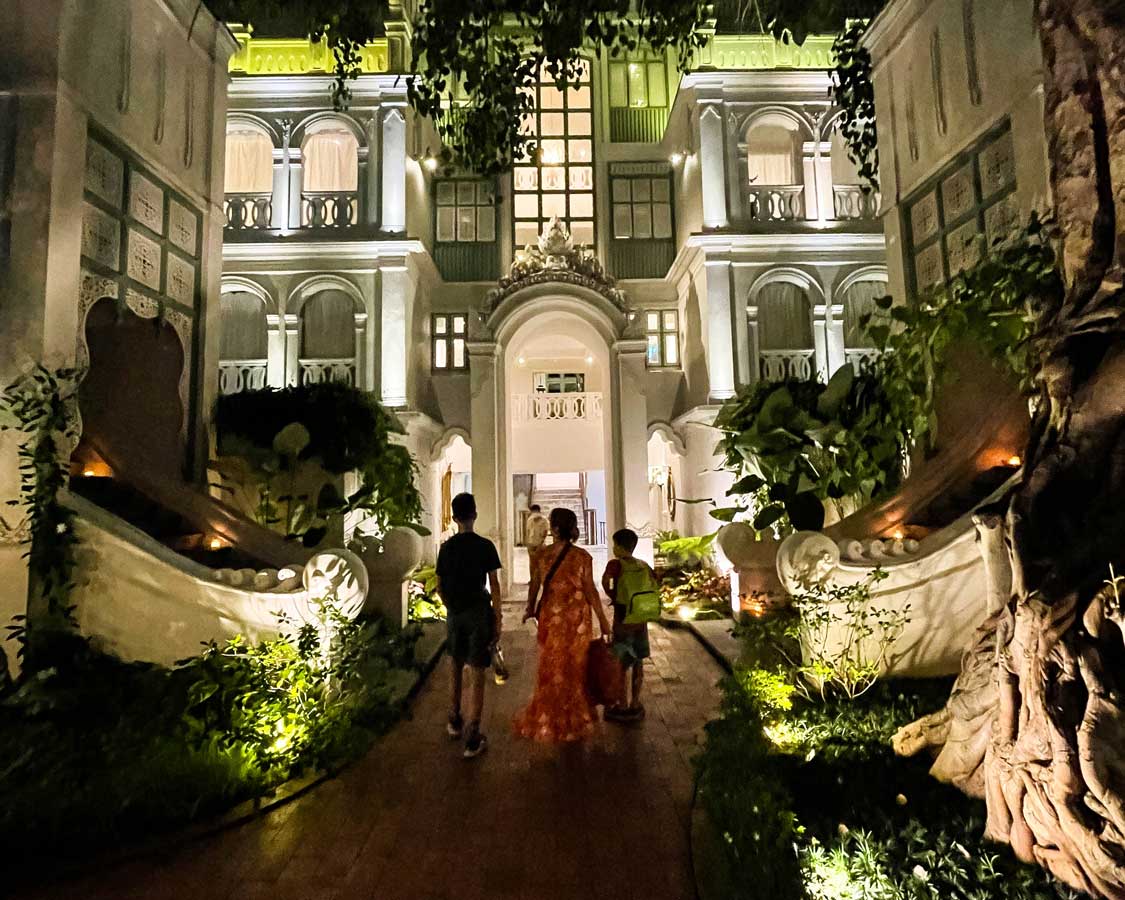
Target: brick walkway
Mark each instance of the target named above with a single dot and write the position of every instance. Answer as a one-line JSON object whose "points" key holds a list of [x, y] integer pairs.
{"points": [[413, 821]]}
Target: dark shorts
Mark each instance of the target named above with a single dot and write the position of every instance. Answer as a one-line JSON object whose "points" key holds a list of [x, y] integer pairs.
{"points": [[469, 634], [630, 643]]}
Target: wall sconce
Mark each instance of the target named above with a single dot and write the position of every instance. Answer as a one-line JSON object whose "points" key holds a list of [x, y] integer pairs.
{"points": [[589, 360], [429, 161], [676, 158]]}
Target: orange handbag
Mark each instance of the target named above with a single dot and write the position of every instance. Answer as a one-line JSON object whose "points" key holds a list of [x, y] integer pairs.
{"points": [[604, 679]]}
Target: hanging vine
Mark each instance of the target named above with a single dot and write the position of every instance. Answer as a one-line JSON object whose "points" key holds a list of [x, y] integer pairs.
{"points": [[475, 62], [38, 405]]}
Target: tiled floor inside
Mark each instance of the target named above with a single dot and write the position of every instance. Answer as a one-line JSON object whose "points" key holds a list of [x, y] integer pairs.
{"points": [[413, 821]]}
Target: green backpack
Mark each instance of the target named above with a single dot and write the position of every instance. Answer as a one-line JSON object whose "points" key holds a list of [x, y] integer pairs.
{"points": [[638, 592]]}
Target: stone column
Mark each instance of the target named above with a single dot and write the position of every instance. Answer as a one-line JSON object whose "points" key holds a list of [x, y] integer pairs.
{"points": [[712, 165], [292, 349], [720, 342], [275, 351], [630, 445], [371, 201], [753, 344], [834, 337], [485, 435], [396, 325], [393, 159], [282, 184], [820, 341]]}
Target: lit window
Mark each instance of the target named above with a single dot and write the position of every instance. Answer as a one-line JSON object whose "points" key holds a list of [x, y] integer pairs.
{"points": [[638, 82], [561, 182], [449, 333], [466, 212], [663, 334], [559, 382], [642, 208]]}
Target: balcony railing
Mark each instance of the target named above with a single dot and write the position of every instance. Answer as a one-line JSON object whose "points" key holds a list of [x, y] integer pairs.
{"points": [[334, 209], [317, 371], [585, 406], [776, 203], [248, 211], [860, 358], [852, 202], [779, 365], [238, 375]]}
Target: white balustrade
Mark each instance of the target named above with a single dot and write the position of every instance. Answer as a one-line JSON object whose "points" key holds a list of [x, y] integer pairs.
{"points": [[329, 209], [776, 202], [248, 212], [580, 406], [317, 371], [779, 365], [852, 202], [238, 375], [861, 358]]}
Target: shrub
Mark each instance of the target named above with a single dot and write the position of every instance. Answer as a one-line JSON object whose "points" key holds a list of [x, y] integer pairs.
{"points": [[424, 603]]}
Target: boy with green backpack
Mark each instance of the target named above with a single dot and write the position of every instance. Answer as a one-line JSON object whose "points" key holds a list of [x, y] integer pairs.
{"points": [[635, 594]]}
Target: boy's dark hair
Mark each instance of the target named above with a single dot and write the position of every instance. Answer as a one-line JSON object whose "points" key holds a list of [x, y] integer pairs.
{"points": [[464, 508], [626, 538], [535, 507]]}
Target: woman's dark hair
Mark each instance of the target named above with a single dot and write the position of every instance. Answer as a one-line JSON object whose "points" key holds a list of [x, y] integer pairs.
{"points": [[565, 522]]}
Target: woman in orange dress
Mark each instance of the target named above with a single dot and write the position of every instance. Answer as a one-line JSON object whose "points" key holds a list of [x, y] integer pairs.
{"points": [[561, 709]]}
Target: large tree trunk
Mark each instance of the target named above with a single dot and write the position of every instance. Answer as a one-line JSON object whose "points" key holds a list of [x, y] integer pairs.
{"points": [[1036, 723]]}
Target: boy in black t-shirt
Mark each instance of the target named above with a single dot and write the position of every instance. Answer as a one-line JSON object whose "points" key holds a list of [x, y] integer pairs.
{"points": [[464, 563]]}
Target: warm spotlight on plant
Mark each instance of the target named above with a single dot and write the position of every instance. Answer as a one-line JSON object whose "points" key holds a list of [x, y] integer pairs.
{"points": [[687, 613]]}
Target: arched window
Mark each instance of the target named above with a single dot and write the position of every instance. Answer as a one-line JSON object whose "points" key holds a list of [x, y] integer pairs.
{"points": [[859, 301], [328, 338], [775, 175], [243, 343], [330, 180], [785, 335], [248, 177]]}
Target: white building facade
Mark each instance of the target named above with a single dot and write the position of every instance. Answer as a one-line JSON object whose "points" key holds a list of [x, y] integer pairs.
{"points": [[711, 232]]}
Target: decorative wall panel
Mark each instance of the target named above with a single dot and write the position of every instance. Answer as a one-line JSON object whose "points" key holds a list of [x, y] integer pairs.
{"points": [[101, 237], [146, 202], [143, 260], [105, 173], [183, 228]]}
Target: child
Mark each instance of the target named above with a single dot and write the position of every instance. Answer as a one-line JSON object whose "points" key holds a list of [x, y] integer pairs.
{"points": [[465, 562], [630, 641]]}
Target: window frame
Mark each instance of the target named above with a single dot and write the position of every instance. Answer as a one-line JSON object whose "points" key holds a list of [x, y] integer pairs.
{"points": [[559, 380], [662, 332], [489, 186], [647, 62], [567, 165], [448, 335], [652, 179]]}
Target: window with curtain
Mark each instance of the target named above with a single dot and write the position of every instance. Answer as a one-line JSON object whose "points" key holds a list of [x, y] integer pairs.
{"points": [[242, 328], [561, 182], [249, 162], [328, 326], [773, 154], [844, 171], [859, 301], [784, 318], [330, 160]]}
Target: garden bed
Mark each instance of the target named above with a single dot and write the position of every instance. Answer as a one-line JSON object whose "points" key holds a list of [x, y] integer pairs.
{"points": [[96, 753], [807, 801]]}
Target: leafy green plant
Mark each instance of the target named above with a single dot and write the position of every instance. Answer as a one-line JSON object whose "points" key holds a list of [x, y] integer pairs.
{"points": [[424, 603], [794, 445], [285, 446], [39, 404], [686, 551]]}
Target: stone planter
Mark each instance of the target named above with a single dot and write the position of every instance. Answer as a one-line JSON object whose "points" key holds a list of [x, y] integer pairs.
{"points": [[755, 564], [388, 566]]}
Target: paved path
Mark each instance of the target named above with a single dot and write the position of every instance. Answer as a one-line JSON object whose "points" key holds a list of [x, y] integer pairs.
{"points": [[413, 821]]}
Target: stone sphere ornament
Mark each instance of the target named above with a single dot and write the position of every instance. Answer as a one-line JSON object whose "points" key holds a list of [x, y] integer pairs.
{"points": [[806, 559], [338, 576]]}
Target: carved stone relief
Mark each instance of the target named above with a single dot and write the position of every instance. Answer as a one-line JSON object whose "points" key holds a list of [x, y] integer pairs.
{"points": [[105, 173], [189, 119], [101, 237], [146, 202], [183, 227], [161, 83], [143, 260], [936, 78], [181, 280], [93, 288], [968, 17], [125, 57]]}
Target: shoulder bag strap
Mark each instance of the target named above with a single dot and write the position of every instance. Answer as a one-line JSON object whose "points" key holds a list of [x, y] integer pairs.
{"points": [[550, 574]]}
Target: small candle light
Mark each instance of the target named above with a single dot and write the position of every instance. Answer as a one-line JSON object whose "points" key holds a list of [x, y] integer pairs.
{"points": [[216, 543], [898, 534], [1015, 462], [88, 473]]}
